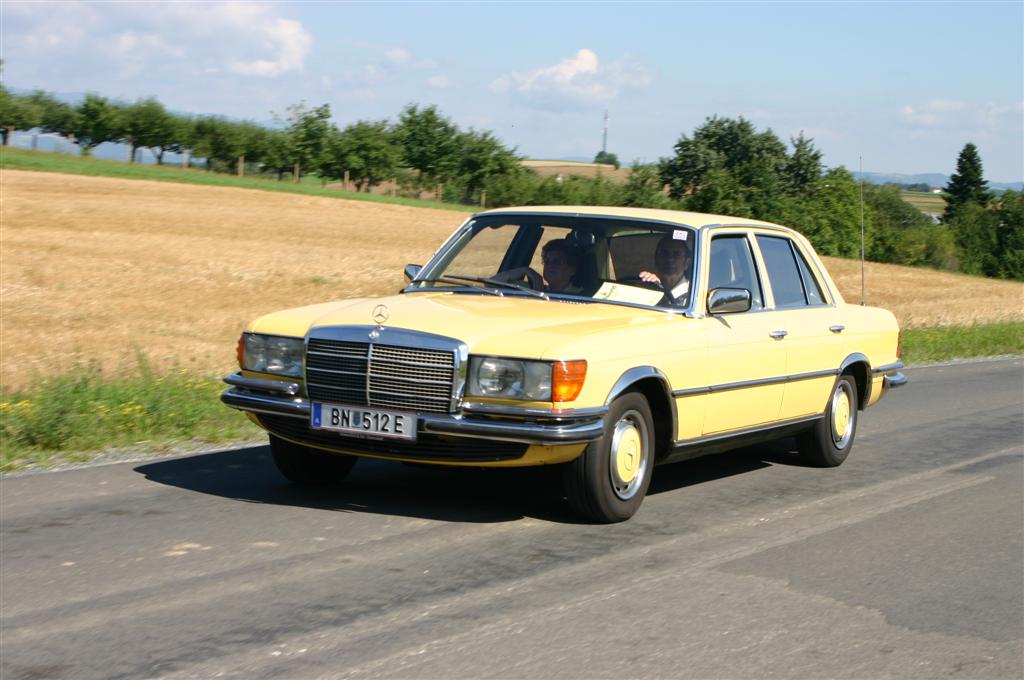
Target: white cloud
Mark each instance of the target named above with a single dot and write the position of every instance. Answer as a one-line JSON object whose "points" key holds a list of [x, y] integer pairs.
{"points": [[581, 79], [439, 81], [945, 118], [251, 39], [397, 55]]}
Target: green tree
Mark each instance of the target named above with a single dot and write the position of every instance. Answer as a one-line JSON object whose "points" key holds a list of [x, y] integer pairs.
{"points": [[56, 117], [976, 230], [97, 121], [480, 155], [429, 141], [898, 226], [146, 123], [644, 189], [308, 130], [1010, 236], [366, 150], [802, 169], [607, 158], [967, 185], [16, 113], [727, 165], [831, 217]]}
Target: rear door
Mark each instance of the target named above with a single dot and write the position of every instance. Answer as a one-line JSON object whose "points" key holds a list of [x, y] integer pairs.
{"points": [[805, 314]]}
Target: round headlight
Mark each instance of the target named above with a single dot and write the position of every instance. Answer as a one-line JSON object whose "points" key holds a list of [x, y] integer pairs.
{"points": [[500, 377]]}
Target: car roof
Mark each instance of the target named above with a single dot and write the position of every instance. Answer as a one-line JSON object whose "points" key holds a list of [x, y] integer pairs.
{"points": [[689, 219]]}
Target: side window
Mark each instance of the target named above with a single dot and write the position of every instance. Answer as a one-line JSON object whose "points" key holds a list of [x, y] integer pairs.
{"points": [[814, 296], [783, 274], [732, 266]]}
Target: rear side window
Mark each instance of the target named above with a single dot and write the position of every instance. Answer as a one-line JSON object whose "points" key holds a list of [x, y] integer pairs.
{"points": [[811, 288], [783, 272], [732, 266]]}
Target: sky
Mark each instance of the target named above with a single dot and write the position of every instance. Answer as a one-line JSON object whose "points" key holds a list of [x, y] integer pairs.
{"points": [[901, 85]]}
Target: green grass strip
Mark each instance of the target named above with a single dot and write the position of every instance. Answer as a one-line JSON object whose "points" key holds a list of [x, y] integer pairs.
{"points": [[71, 418], [41, 161], [962, 342], [63, 418]]}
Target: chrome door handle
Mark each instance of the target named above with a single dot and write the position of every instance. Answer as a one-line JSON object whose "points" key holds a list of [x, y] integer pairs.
{"points": [[838, 328], [778, 335]]}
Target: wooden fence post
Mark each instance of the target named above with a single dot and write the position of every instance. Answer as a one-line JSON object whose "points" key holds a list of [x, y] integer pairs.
{"points": [[483, 198], [344, 184], [295, 174], [241, 166]]}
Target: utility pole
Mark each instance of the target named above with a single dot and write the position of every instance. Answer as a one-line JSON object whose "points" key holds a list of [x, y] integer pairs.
{"points": [[604, 136]]}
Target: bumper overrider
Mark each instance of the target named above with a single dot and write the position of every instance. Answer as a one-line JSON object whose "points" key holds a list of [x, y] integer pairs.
{"points": [[272, 400]]}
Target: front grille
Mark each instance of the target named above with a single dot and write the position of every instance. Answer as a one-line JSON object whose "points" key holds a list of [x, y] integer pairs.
{"points": [[381, 375], [427, 446]]}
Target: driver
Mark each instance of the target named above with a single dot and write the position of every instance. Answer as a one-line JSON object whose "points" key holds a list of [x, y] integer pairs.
{"points": [[560, 262], [672, 262]]}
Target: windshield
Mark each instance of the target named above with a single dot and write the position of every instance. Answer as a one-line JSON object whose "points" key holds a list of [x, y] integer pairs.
{"points": [[565, 256]]}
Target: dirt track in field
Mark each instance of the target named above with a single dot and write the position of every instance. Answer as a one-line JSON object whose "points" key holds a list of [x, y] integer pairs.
{"points": [[95, 269]]}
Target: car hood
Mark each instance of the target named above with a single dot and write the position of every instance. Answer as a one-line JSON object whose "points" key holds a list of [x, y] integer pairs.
{"points": [[486, 323]]}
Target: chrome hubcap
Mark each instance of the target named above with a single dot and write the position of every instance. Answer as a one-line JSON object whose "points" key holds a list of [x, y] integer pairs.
{"points": [[843, 415], [629, 455]]}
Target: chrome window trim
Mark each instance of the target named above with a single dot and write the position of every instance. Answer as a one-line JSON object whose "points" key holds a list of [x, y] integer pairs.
{"points": [[688, 311]]}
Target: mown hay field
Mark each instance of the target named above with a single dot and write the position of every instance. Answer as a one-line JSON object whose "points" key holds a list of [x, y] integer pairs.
{"points": [[101, 270]]}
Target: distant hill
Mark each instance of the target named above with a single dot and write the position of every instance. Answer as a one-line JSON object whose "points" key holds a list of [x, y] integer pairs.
{"points": [[933, 179]]}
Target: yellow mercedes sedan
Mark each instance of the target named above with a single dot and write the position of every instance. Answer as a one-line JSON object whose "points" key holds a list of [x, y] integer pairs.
{"points": [[603, 340]]}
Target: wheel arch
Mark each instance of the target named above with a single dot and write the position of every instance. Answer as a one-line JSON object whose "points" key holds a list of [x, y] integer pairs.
{"points": [[654, 385], [859, 368]]}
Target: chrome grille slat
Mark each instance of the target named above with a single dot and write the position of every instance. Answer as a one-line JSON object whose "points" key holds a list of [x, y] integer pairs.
{"points": [[381, 375]]}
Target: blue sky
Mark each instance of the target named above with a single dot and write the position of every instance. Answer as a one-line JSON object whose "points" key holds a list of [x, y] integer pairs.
{"points": [[905, 85]]}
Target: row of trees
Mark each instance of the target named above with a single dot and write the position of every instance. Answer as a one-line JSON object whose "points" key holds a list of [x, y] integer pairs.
{"points": [[725, 166], [423, 148]]}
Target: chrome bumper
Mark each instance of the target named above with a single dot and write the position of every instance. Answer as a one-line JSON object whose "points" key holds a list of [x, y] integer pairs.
{"points": [[891, 377], [281, 398]]}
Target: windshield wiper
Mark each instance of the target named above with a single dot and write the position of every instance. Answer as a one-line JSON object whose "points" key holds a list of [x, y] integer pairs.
{"points": [[500, 284], [460, 281]]}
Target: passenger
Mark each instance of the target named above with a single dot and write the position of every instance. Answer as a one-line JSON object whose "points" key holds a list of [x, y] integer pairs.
{"points": [[672, 262]]}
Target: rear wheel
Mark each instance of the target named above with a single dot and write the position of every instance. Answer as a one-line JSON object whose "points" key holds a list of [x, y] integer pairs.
{"points": [[309, 466], [608, 482], [829, 442]]}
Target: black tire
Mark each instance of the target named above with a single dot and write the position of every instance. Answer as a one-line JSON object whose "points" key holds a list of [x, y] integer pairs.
{"points": [[829, 442], [309, 466], [608, 482]]}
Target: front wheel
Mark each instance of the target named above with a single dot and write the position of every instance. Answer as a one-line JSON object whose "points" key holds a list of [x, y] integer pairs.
{"points": [[829, 442], [308, 466], [608, 482]]}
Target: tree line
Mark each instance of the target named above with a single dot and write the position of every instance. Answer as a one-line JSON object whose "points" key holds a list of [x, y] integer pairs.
{"points": [[726, 166]]}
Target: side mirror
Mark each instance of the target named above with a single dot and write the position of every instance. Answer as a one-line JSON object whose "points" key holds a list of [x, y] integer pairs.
{"points": [[728, 300], [411, 270]]}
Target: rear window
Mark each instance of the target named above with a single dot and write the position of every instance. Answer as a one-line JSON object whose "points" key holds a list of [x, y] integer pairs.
{"points": [[783, 272]]}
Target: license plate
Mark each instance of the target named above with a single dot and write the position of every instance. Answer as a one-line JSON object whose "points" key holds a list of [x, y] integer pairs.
{"points": [[363, 420]]}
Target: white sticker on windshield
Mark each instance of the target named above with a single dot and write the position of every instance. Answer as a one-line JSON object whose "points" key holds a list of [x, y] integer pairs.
{"points": [[679, 235]]}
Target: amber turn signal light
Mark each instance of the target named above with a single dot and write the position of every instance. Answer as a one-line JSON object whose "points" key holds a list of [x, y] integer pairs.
{"points": [[567, 379]]}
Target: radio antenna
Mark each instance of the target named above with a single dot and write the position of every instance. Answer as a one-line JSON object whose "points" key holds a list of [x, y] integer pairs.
{"points": [[861, 159]]}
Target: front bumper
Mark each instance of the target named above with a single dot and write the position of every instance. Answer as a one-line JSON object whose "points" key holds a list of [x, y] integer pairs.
{"points": [[282, 398]]}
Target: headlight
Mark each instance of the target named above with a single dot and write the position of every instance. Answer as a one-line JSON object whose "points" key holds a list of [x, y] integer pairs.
{"points": [[273, 354], [526, 380]]}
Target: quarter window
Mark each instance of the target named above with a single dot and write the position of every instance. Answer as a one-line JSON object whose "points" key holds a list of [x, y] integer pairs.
{"points": [[732, 266], [811, 287], [783, 273]]}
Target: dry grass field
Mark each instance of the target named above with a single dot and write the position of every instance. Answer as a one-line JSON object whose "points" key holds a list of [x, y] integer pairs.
{"points": [[567, 168], [96, 269]]}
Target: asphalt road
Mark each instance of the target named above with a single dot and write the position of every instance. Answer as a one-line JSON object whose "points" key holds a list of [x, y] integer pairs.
{"points": [[906, 562]]}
